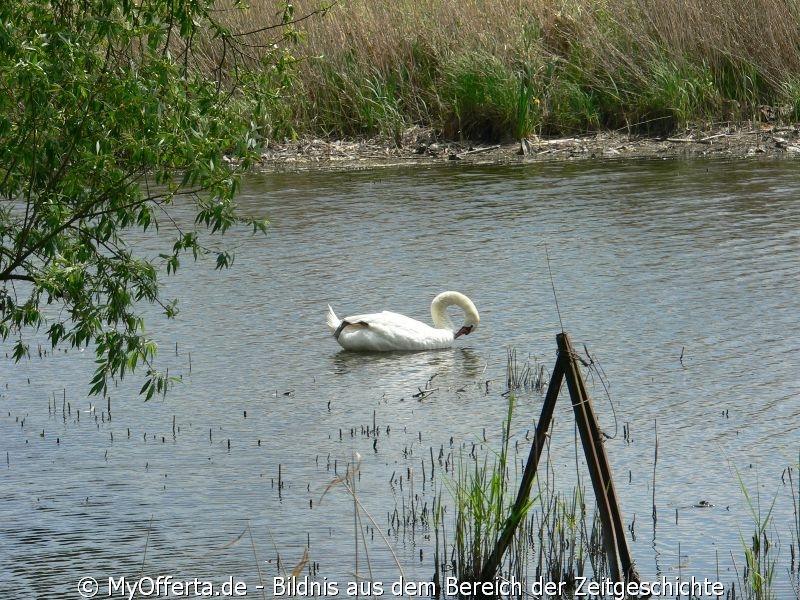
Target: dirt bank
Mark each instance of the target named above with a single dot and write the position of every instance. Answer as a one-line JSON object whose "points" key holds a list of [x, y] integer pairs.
{"points": [[421, 146]]}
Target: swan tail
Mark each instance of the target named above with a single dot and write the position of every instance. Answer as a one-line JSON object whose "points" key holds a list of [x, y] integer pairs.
{"points": [[333, 320]]}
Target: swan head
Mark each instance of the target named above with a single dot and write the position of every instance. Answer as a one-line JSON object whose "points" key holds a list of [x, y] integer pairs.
{"points": [[442, 320], [465, 330]]}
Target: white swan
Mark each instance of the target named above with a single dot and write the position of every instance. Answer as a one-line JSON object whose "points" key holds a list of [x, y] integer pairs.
{"points": [[386, 331]]}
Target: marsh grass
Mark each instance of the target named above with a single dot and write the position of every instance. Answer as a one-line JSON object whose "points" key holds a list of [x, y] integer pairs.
{"points": [[529, 376], [483, 500], [564, 539], [796, 523], [759, 571], [348, 483], [558, 539], [794, 569], [510, 68]]}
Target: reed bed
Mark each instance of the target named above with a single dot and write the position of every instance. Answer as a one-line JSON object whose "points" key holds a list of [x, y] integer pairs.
{"points": [[496, 69]]}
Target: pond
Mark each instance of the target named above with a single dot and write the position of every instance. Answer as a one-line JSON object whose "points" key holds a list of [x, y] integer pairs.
{"points": [[680, 279]]}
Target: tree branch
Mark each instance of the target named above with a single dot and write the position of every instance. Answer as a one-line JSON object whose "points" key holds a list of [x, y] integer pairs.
{"points": [[15, 277], [318, 11]]}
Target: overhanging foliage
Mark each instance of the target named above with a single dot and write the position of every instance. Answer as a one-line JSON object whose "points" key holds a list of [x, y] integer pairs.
{"points": [[105, 120]]}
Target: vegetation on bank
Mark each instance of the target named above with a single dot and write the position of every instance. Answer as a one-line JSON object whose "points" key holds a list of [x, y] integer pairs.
{"points": [[501, 69]]}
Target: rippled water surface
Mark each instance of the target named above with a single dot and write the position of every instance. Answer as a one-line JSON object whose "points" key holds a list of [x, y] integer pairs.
{"points": [[680, 278]]}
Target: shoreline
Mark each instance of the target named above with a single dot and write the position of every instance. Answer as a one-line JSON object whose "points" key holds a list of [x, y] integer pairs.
{"points": [[420, 146]]}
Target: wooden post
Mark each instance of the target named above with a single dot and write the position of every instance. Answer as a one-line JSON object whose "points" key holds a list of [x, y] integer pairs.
{"points": [[616, 545], [614, 540]]}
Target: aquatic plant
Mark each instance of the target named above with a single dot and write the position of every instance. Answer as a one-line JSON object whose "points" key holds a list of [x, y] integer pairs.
{"points": [[557, 538], [795, 545], [348, 482], [531, 376], [482, 502], [759, 563]]}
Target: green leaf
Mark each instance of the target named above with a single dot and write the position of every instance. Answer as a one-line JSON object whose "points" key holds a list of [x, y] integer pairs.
{"points": [[103, 125]]}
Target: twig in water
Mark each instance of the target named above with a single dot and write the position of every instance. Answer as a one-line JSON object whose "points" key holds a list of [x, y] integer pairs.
{"points": [[146, 542], [655, 462]]}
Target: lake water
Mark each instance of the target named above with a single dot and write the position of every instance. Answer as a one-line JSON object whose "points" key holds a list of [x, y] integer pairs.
{"points": [[680, 278]]}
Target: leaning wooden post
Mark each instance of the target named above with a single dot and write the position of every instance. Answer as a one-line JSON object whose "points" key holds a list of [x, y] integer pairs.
{"points": [[614, 540], [523, 495], [616, 545]]}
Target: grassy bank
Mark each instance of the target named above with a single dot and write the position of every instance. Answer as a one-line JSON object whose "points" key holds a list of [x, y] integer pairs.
{"points": [[500, 69]]}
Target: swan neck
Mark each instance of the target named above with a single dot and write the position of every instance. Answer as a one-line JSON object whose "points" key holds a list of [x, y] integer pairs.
{"points": [[441, 319]]}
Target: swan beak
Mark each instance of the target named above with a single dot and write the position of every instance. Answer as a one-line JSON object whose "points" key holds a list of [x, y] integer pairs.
{"points": [[463, 331]]}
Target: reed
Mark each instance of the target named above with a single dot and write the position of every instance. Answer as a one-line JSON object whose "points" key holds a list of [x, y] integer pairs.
{"points": [[760, 564], [795, 545], [565, 540], [508, 68], [362, 520], [558, 538], [483, 500], [528, 377]]}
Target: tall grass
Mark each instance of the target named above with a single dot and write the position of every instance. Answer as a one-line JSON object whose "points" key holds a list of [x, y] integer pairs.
{"points": [[759, 562], [564, 538], [795, 545], [499, 69], [348, 482], [483, 500]]}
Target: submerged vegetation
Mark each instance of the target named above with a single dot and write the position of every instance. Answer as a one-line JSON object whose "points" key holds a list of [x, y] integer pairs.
{"points": [[511, 68]]}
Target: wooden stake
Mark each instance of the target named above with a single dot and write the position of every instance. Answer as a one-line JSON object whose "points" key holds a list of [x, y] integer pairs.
{"points": [[616, 545], [599, 469]]}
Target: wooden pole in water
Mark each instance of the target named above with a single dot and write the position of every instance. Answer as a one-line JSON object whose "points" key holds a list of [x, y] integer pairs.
{"points": [[614, 540], [616, 545]]}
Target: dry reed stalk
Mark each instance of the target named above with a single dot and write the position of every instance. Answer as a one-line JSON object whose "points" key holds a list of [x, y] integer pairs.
{"points": [[515, 67]]}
